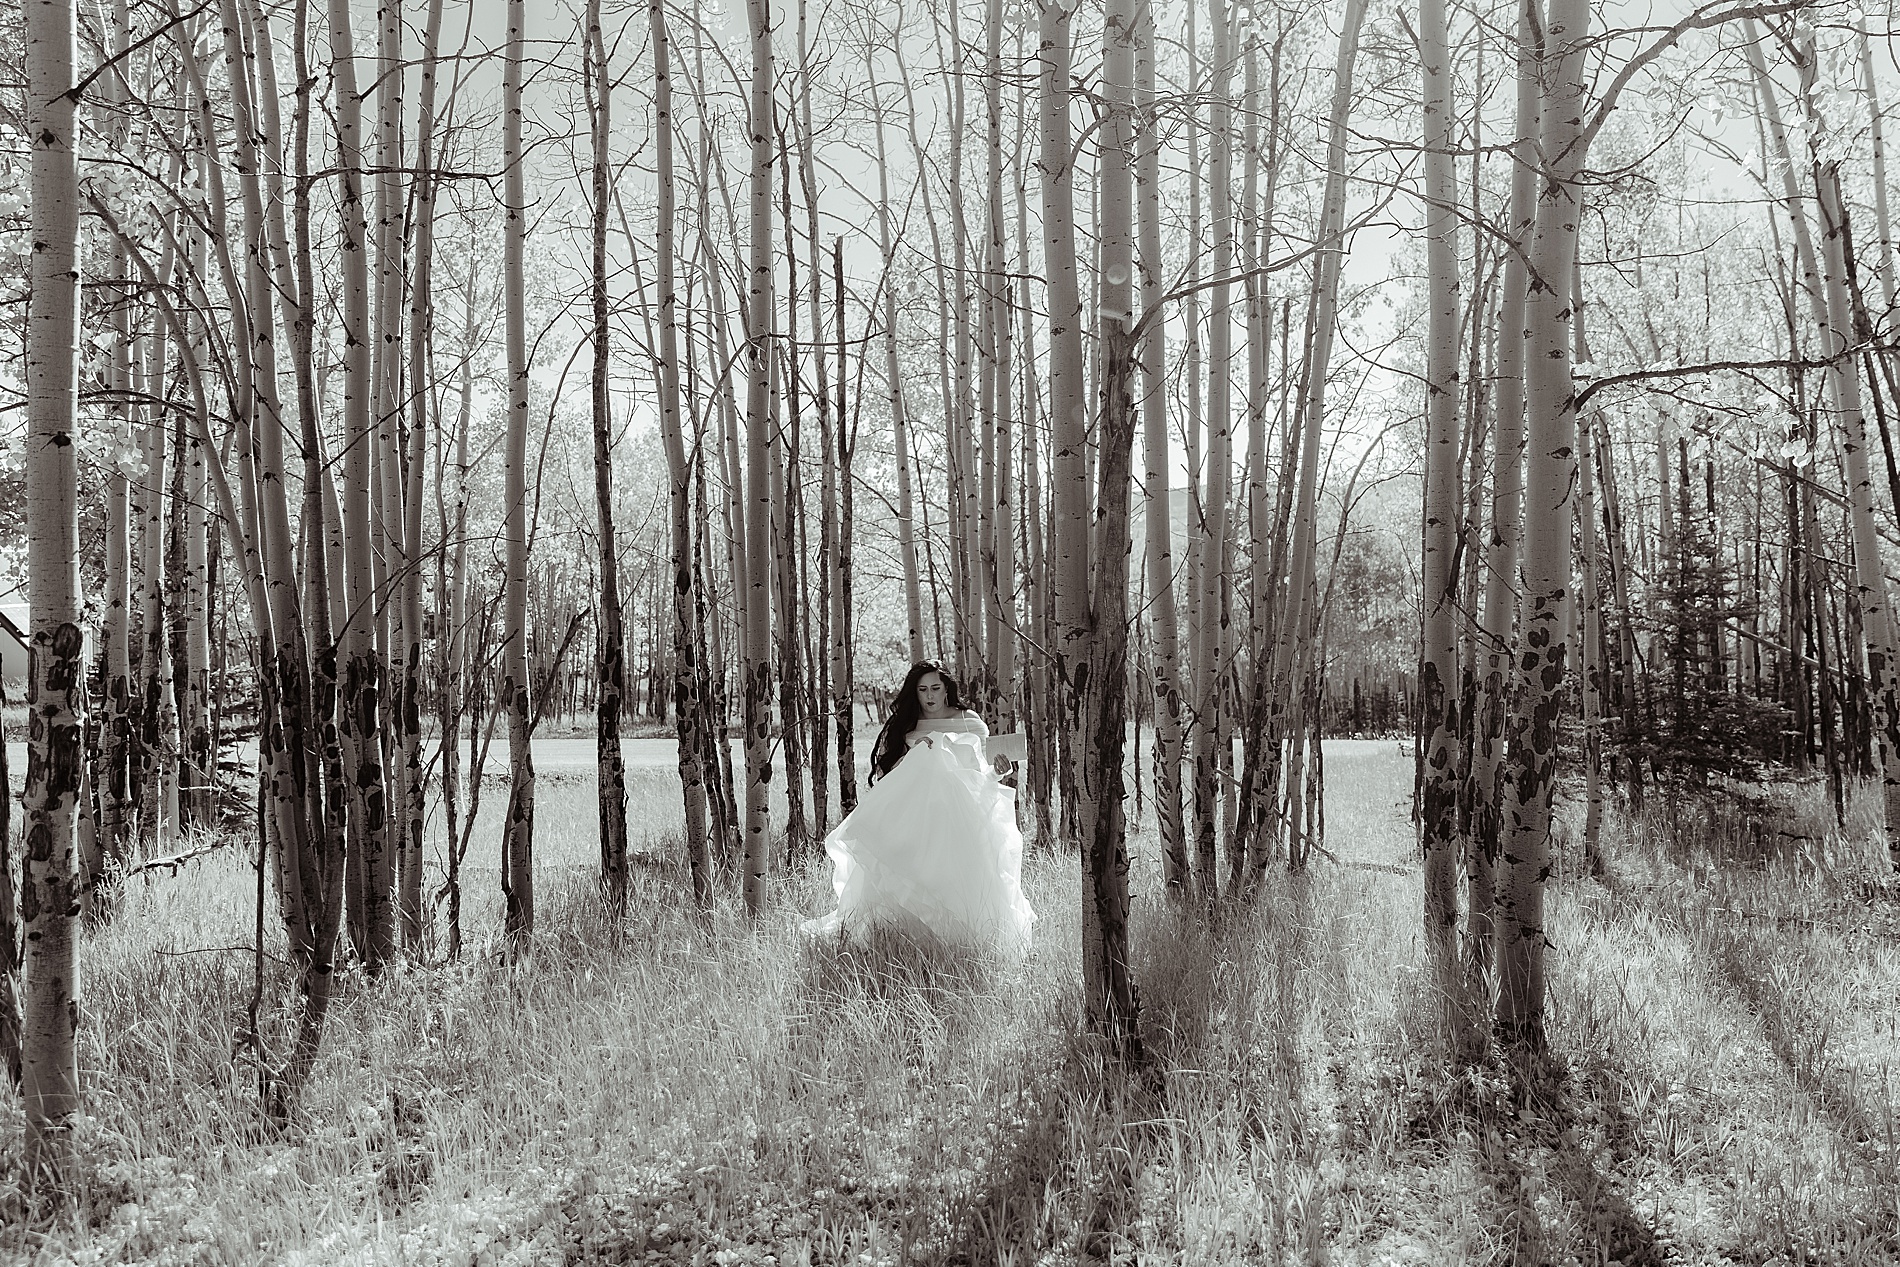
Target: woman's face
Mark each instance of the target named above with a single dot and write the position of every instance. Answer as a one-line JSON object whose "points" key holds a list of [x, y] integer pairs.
{"points": [[932, 694]]}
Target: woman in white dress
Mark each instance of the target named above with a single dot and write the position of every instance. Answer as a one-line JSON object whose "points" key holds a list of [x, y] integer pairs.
{"points": [[932, 847]]}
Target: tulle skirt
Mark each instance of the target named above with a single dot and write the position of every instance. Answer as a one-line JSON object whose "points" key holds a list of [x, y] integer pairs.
{"points": [[932, 849]]}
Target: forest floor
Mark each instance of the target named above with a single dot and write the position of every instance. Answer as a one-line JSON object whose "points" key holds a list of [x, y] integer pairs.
{"points": [[1725, 981]]}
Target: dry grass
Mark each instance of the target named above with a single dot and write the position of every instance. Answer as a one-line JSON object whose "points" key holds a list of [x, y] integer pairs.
{"points": [[1717, 1089]]}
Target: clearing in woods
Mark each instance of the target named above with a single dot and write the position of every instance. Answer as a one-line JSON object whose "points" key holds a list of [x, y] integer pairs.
{"points": [[1718, 1087]]}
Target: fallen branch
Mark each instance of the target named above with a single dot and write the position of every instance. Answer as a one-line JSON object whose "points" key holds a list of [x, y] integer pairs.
{"points": [[219, 950], [175, 862]]}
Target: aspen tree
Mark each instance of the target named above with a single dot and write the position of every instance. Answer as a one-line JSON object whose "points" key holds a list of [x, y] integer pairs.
{"points": [[1158, 556], [49, 897], [451, 591], [315, 764], [787, 551], [1620, 597], [116, 804], [1251, 808], [820, 656], [517, 840], [1501, 542], [1877, 145], [309, 939], [1844, 400], [1096, 618], [1830, 297], [843, 683], [1439, 696], [893, 375], [158, 712], [611, 658], [1191, 391], [725, 450], [1213, 509], [1037, 675], [964, 511], [758, 495], [362, 673], [198, 799], [1550, 425], [998, 589], [386, 871], [1321, 319], [411, 809], [1592, 615], [1068, 410], [259, 422]]}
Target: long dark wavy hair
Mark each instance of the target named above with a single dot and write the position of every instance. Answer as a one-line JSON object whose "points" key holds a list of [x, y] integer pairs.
{"points": [[906, 710]]}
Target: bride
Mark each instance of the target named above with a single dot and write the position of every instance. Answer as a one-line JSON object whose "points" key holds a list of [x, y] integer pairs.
{"points": [[932, 847]]}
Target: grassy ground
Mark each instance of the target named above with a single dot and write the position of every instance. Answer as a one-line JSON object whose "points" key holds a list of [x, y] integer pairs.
{"points": [[1718, 1088]]}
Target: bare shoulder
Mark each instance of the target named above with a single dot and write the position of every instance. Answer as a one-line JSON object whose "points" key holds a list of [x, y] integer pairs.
{"points": [[970, 714]]}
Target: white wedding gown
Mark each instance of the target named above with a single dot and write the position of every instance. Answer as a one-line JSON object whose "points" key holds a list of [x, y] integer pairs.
{"points": [[932, 848]]}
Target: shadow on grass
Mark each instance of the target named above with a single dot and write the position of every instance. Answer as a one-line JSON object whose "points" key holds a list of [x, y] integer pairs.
{"points": [[1747, 956], [1519, 1111], [1093, 1145], [1545, 1096]]}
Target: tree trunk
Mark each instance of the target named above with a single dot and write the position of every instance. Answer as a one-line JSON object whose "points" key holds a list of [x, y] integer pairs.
{"points": [[386, 871], [819, 655], [894, 379], [758, 426], [1845, 401], [158, 712], [843, 681], [610, 767], [49, 897], [517, 832], [1096, 623], [788, 549], [1213, 510], [1877, 144], [1157, 507], [311, 792], [411, 810], [1501, 544], [363, 671], [1068, 485], [1592, 607], [1550, 416], [1439, 694], [1321, 319]]}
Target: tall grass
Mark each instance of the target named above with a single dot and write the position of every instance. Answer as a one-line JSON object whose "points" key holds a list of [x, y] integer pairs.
{"points": [[649, 1090]]}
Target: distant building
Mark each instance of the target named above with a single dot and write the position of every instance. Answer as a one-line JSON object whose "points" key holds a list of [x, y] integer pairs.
{"points": [[13, 645]]}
